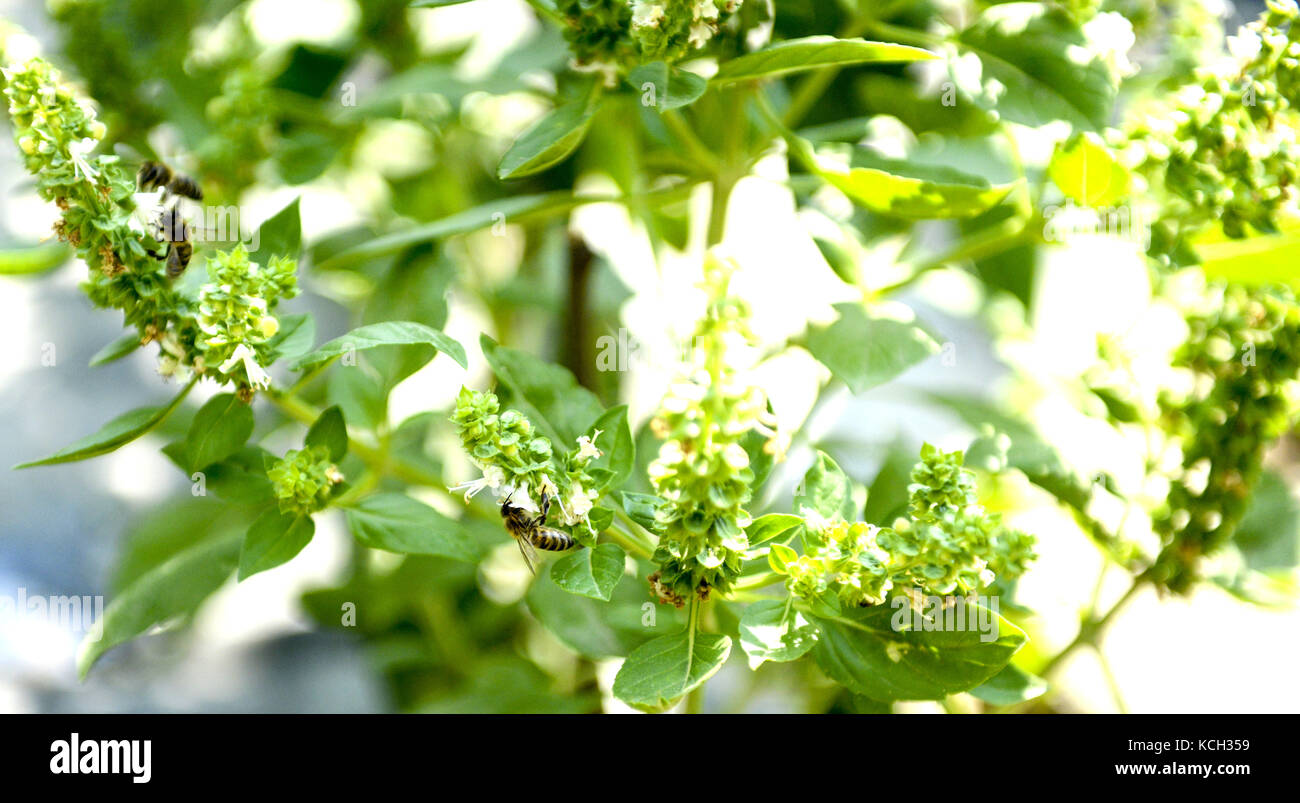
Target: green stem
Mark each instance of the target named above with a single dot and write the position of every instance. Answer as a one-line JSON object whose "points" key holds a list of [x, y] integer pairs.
{"points": [[694, 699], [372, 455], [757, 581], [707, 161], [1091, 630]]}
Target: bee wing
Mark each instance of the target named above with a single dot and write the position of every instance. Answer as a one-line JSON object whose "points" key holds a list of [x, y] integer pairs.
{"points": [[128, 154], [530, 555]]}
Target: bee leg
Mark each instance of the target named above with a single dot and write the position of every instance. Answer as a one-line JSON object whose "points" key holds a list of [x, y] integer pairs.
{"points": [[157, 255], [546, 509]]}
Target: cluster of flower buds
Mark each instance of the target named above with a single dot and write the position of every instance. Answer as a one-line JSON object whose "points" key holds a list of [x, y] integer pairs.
{"points": [[234, 316], [1243, 354], [224, 334], [304, 479], [611, 35], [702, 469], [518, 464], [56, 132], [947, 545], [1223, 148]]}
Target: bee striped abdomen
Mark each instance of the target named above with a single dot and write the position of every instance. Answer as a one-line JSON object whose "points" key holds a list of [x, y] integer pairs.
{"points": [[550, 540]]}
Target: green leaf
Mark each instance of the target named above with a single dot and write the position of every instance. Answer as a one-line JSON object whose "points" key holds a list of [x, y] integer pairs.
{"points": [[361, 396], [590, 572], [220, 428], [1010, 686], [773, 525], [390, 333], [592, 628], [1269, 533], [172, 589], [780, 556], [436, 3], [295, 338], [887, 496], [241, 477], [660, 672], [395, 522], [616, 444], [864, 351], [115, 434], [516, 209], [1033, 72], [274, 539], [663, 87], [33, 259], [279, 236], [827, 490], [546, 393], [1087, 172], [861, 650], [642, 508], [116, 350], [330, 431], [811, 53], [909, 189], [1255, 260], [771, 630], [548, 142]]}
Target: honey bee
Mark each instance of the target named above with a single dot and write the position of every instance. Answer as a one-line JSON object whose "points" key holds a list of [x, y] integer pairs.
{"points": [[173, 230], [532, 534], [153, 175]]}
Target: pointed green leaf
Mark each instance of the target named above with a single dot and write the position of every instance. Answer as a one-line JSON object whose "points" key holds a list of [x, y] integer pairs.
{"points": [[33, 259], [116, 350], [546, 393], [864, 351], [1087, 172], [515, 209], [813, 52], [590, 572], [395, 522], [279, 236], [862, 650], [1038, 67], [909, 189], [618, 450], [1010, 686], [330, 431], [390, 333], [296, 336], [660, 672], [165, 592], [220, 427], [548, 142], [662, 87], [115, 434], [274, 539], [773, 525], [771, 630], [827, 490]]}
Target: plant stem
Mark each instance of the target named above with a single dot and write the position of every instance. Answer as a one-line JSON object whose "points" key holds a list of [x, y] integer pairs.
{"points": [[697, 150], [577, 335], [1091, 629], [374, 457]]}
